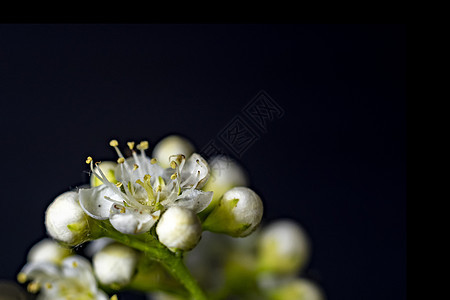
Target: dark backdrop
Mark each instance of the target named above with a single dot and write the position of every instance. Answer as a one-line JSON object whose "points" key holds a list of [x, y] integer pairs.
{"points": [[334, 161]]}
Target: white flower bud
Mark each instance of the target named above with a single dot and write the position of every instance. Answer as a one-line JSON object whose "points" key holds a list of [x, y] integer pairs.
{"points": [[179, 228], [172, 145], [283, 248], [48, 250], [115, 264], [238, 213], [225, 175], [108, 168], [66, 221]]}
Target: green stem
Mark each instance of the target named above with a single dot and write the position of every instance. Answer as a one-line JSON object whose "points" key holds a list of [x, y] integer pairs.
{"points": [[172, 262]]}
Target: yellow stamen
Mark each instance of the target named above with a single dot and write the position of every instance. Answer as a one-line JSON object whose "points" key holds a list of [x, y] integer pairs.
{"points": [[119, 184], [122, 210], [158, 189], [135, 167], [74, 264], [153, 161], [120, 160], [88, 160], [21, 277], [174, 175], [130, 145], [33, 287], [142, 145], [114, 297], [48, 285], [173, 164], [114, 143]]}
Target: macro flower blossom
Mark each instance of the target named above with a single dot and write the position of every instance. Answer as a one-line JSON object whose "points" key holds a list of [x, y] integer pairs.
{"points": [[73, 279], [144, 189]]}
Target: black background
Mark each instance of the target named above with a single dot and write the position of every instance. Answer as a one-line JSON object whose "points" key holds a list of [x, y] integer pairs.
{"points": [[335, 161]]}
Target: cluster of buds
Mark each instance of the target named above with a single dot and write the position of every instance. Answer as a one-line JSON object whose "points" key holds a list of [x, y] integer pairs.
{"points": [[166, 196]]}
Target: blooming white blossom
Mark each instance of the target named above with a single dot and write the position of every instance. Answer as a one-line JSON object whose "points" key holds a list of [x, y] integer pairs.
{"points": [[48, 250], [179, 228], [144, 189], [238, 213], [66, 221], [172, 145], [283, 247], [73, 279], [115, 264]]}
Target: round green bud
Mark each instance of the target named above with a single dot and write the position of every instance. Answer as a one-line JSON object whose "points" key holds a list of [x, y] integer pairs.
{"points": [[66, 221], [238, 213], [283, 248]]}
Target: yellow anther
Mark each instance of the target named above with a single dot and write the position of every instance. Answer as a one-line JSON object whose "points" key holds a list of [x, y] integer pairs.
{"points": [[119, 184], [122, 210], [114, 297], [21, 277], [173, 164], [114, 143], [33, 287], [88, 160], [130, 145], [174, 175], [48, 285], [147, 177], [143, 145], [120, 160], [158, 189], [74, 264], [135, 167], [153, 161]]}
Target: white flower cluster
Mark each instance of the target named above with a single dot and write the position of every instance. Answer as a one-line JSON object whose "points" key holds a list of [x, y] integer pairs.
{"points": [[166, 201]]}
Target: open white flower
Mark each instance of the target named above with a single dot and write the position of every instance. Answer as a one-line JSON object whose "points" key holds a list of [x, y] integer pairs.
{"points": [[144, 189], [74, 279]]}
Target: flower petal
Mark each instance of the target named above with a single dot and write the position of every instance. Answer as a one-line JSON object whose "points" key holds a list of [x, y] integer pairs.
{"points": [[193, 199], [94, 203], [195, 172], [130, 220], [79, 268]]}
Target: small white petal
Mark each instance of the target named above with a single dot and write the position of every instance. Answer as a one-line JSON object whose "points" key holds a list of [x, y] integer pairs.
{"points": [[195, 172], [94, 203], [79, 268], [40, 269], [127, 173], [131, 220], [194, 200]]}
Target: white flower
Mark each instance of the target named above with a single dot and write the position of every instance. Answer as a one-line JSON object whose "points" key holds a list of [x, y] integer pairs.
{"points": [[238, 213], [283, 247], [72, 280], [144, 189], [66, 221], [179, 228], [48, 250], [172, 145], [115, 264]]}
